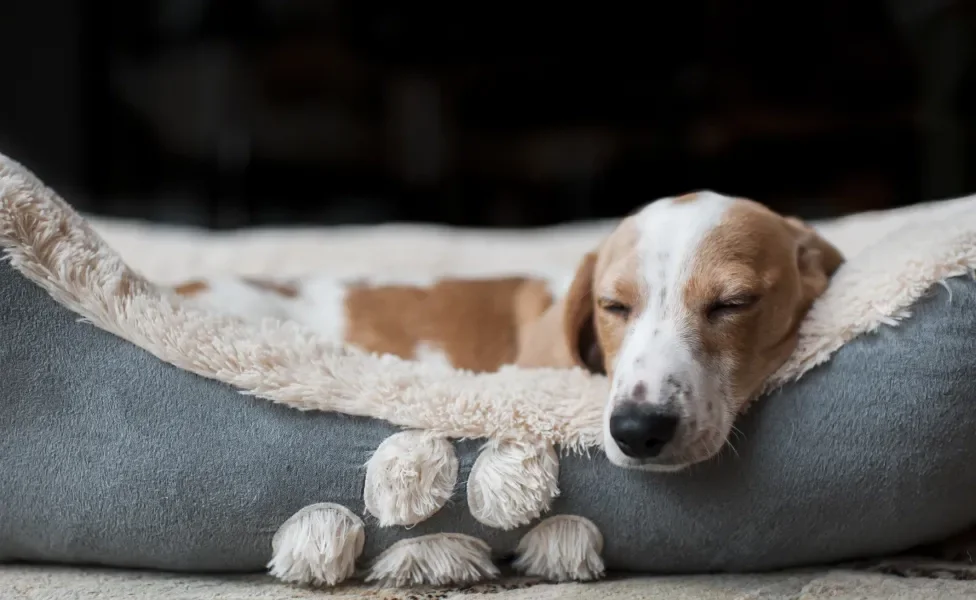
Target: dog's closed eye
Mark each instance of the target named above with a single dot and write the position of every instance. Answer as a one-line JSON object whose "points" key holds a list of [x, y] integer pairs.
{"points": [[725, 307], [615, 307]]}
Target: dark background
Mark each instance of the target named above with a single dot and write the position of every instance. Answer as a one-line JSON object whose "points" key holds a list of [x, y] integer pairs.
{"points": [[230, 113]]}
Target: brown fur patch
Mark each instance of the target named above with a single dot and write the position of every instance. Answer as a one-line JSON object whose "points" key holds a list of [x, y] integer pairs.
{"points": [[476, 323], [282, 289], [191, 288], [532, 299], [754, 252], [615, 278], [686, 198]]}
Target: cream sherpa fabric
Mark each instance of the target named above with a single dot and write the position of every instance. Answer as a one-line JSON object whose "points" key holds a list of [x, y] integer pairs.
{"points": [[57, 249]]}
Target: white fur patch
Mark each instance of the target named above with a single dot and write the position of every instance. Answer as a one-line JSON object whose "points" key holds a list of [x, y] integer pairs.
{"points": [[318, 545], [511, 484], [235, 296], [318, 306], [409, 478], [321, 307], [429, 354]]}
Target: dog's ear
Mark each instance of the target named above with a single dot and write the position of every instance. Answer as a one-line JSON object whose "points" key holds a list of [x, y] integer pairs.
{"points": [[579, 328], [564, 336], [816, 258]]}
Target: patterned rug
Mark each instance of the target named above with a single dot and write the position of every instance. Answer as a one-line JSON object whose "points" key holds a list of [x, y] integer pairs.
{"points": [[897, 579]]}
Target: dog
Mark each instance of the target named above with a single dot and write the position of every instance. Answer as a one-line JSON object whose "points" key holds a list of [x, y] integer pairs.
{"points": [[687, 306]]}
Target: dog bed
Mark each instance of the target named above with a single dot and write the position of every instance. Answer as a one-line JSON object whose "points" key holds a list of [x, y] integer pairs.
{"points": [[117, 452]]}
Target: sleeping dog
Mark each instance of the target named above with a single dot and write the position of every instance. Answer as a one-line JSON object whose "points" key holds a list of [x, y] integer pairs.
{"points": [[688, 306]]}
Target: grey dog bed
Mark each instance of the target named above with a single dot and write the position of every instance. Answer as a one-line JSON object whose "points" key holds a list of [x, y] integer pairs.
{"points": [[111, 456]]}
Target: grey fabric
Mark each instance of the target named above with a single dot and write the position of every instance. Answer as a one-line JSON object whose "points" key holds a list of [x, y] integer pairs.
{"points": [[110, 456]]}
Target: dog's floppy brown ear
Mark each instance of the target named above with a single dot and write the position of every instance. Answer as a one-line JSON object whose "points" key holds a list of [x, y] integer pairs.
{"points": [[565, 336], [816, 258], [579, 329]]}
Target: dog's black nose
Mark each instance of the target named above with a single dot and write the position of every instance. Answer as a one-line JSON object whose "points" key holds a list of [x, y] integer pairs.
{"points": [[641, 430]]}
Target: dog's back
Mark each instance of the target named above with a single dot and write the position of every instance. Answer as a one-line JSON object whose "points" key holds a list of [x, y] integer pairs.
{"points": [[475, 324]]}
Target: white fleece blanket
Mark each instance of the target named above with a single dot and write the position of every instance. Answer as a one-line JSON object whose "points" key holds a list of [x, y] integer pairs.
{"points": [[892, 259]]}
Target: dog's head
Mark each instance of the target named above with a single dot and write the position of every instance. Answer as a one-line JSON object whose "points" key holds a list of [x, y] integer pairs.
{"points": [[689, 306]]}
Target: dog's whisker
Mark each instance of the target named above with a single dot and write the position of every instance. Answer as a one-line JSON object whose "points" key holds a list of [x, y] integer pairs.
{"points": [[738, 433], [733, 448]]}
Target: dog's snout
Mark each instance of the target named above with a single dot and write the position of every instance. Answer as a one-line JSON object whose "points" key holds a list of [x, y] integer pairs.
{"points": [[642, 430]]}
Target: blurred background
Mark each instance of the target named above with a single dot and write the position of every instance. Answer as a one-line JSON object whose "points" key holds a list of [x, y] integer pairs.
{"points": [[235, 113]]}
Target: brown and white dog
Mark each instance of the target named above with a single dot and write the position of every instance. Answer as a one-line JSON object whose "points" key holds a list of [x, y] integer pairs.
{"points": [[688, 306]]}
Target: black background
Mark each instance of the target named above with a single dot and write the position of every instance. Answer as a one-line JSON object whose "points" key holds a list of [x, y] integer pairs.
{"points": [[238, 112]]}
